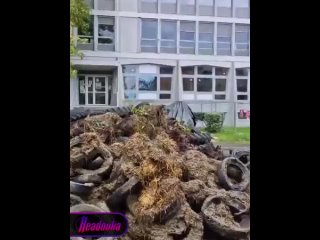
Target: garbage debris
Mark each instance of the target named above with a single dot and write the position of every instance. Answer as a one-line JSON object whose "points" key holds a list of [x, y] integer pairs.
{"points": [[182, 112], [167, 178]]}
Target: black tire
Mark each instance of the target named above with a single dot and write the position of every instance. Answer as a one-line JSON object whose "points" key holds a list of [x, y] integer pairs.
{"points": [[85, 208], [75, 200], [117, 200], [218, 225], [226, 181], [243, 156], [80, 189]]}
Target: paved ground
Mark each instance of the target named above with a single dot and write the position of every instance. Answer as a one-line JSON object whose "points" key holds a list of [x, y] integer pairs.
{"points": [[232, 145]]}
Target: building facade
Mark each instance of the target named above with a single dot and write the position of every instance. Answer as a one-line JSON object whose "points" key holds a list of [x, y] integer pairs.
{"points": [[160, 51]]}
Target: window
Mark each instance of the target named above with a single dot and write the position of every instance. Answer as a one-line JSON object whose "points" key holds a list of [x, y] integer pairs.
{"points": [[224, 32], [242, 40], [168, 6], [106, 5], [149, 35], [188, 84], [241, 8], [188, 7], [149, 6], [90, 3], [224, 8], [205, 38], [187, 37], [222, 71], [210, 84], [147, 82], [85, 41], [243, 84], [168, 36], [93, 90], [206, 7], [204, 84], [105, 33]]}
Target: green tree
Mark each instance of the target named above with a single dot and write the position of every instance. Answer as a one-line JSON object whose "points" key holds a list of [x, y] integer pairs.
{"points": [[79, 18]]}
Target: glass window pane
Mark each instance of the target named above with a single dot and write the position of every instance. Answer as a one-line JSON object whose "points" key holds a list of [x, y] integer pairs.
{"points": [[220, 97], [187, 26], [106, 5], [105, 30], [221, 71], [241, 8], [188, 84], [205, 45], [187, 36], [187, 70], [206, 7], [242, 97], [90, 98], [169, 30], [221, 85], [165, 96], [149, 6], [149, 29], [224, 30], [224, 8], [166, 70], [90, 84], [206, 27], [205, 51], [204, 85], [165, 84], [147, 82], [149, 43], [130, 95], [242, 85], [185, 44], [130, 69], [100, 84], [129, 83], [100, 98], [204, 70], [207, 37], [242, 72], [188, 7], [168, 6], [82, 90]]}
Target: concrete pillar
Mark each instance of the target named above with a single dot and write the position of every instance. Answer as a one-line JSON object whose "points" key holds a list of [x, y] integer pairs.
{"points": [[120, 93]]}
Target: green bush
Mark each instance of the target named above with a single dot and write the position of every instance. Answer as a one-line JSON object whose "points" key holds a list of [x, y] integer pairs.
{"points": [[213, 121], [199, 116]]}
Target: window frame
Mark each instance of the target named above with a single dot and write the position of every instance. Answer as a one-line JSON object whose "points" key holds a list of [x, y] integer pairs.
{"points": [[105, 37], [188, 41], [167, 40], [140, 2], [213, 38], [158, 91], [241, 43], [149, 39], [247, 93], [108, 79], [213, 78], [160, 7], [223, 42]]}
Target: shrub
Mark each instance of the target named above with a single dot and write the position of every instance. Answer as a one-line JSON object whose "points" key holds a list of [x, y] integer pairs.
{"points": [[199, 116], [214, 122]]}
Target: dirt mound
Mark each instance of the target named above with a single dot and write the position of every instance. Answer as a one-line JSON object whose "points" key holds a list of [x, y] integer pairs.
{"points": [[150, 168]]}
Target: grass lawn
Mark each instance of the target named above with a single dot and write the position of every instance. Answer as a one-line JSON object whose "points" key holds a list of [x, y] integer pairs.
{"points": [[234, 135]]}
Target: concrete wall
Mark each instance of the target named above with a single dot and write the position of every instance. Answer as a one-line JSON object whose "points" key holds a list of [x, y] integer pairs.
{"points": [[129, 35], [128, 5], [73, 93]]}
